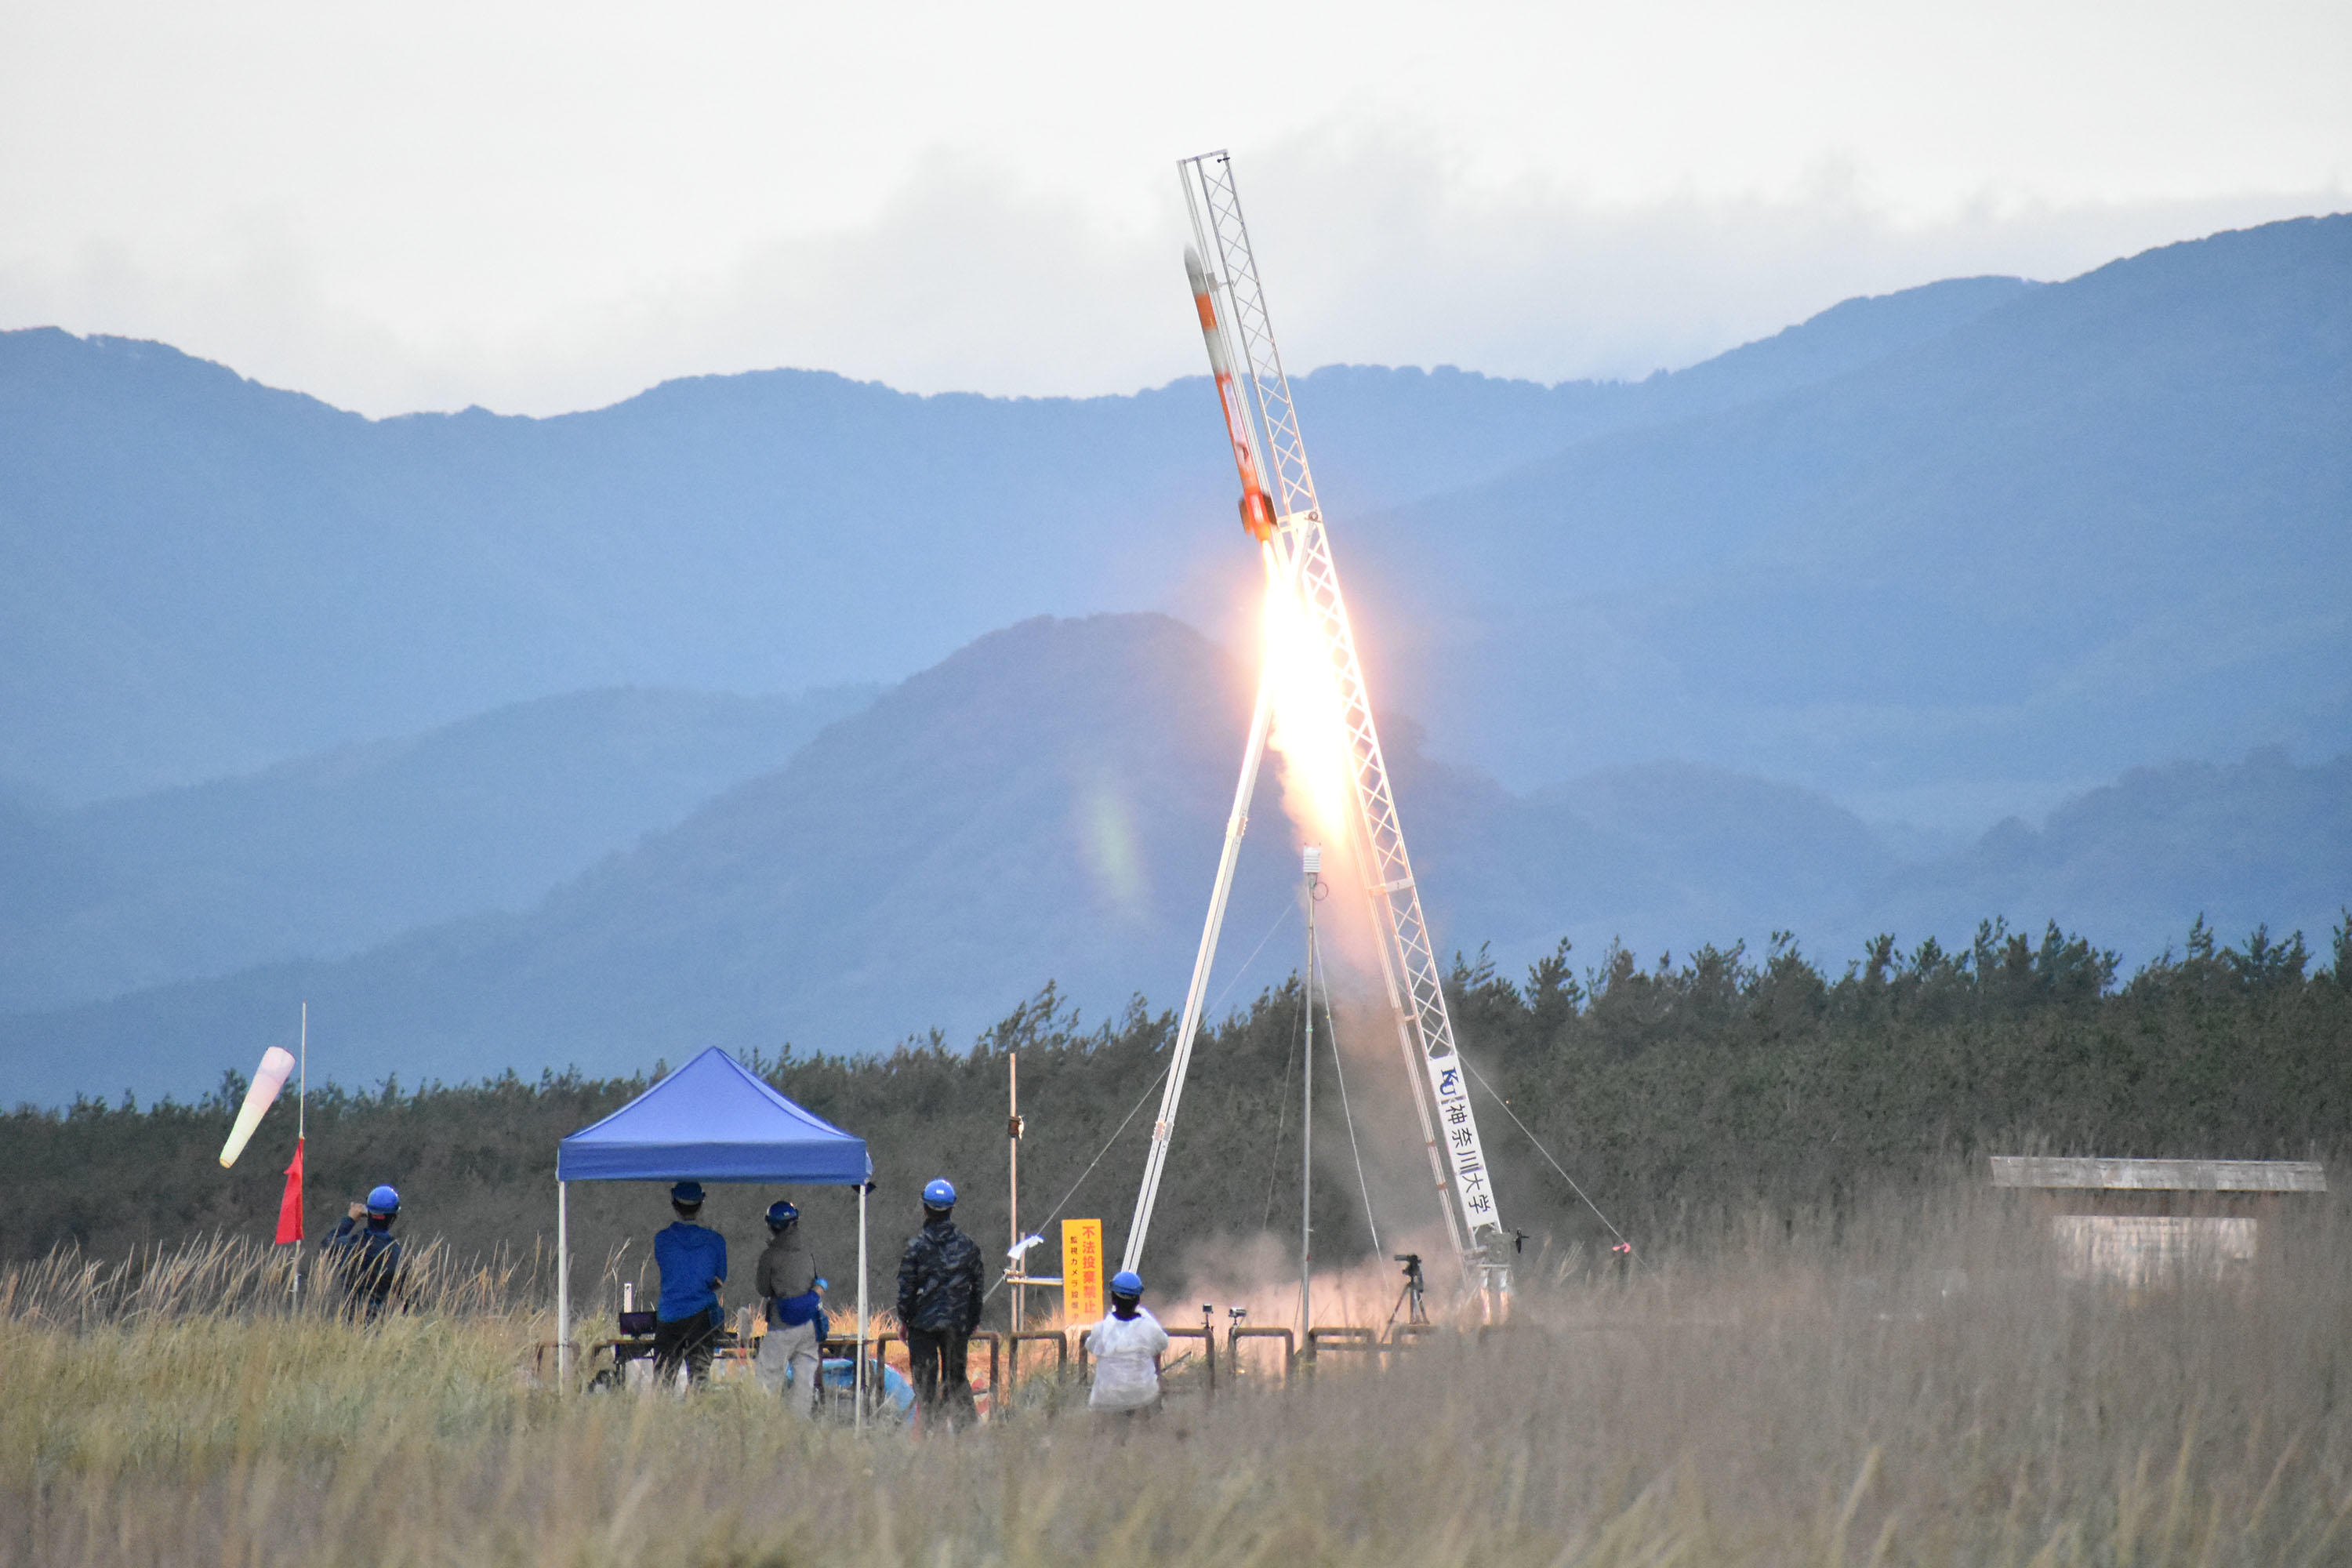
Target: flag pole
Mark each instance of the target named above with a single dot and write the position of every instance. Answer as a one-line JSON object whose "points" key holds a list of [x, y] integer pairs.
{"points": [[857, 1368], [563, 1283], [301, 1129]]}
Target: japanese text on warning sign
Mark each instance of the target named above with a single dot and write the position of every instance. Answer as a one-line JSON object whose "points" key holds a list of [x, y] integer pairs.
{"points": [[1082, 1271]]}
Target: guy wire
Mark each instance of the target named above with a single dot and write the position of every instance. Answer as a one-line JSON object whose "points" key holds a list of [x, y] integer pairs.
{"points": [[1361, 1185], [1139, 1103], [1281, 1116], [1547, 1155]]}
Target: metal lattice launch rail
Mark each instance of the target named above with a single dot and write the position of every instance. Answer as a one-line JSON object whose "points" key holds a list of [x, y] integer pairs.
{"points": [[1297, 550]]}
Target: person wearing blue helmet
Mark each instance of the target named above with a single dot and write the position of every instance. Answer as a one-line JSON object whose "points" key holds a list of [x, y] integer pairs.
{"points": [[794, 1293], [939, 1307], [366, 1256], [1126, 1346], [693, 1263]]}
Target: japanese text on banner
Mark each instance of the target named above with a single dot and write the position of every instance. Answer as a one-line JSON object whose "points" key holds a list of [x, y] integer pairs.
{"points": [[1458, 1130]]}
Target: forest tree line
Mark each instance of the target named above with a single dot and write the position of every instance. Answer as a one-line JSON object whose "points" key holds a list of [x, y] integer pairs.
{"points": [[1674, 1094]]}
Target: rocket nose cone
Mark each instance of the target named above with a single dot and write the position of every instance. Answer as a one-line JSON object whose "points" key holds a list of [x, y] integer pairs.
{"points": [[1198, 274]]}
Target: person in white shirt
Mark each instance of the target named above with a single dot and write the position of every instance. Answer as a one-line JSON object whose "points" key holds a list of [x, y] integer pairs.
{"points": [[1126, 1346]]}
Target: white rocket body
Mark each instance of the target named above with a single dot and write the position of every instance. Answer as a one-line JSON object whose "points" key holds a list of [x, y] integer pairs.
{"points": [[277, 1065]]}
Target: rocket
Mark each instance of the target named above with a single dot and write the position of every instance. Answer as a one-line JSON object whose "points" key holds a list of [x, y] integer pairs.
{"points": [[1258, 507]]}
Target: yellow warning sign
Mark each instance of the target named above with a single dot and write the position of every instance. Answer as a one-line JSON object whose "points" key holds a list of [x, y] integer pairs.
{"points": [[1082, 1273]]}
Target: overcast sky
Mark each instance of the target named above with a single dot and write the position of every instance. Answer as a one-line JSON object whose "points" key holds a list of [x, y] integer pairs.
{"points": [[413, 203]]}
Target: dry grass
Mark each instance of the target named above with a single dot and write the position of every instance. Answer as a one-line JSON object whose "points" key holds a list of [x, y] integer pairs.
{"points": [[1780, 1397]]}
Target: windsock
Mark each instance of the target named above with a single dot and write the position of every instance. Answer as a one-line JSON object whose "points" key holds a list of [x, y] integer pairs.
{"points": [[275, 1064], [1258, 507]]}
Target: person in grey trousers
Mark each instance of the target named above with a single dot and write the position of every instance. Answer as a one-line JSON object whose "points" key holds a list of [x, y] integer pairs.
{"points": [[793, 1296]]}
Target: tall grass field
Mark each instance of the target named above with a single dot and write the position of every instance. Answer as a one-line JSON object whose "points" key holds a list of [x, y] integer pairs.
{"points": [[1913, 1382]]}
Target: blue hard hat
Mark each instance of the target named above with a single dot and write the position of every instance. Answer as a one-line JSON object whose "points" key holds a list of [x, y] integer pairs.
{"points": [[383, 1201], [687, 1192], [1127, 1282], [781, 1212], [938, 1194]]}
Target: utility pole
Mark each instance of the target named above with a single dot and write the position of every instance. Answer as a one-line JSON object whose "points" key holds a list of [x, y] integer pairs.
{"points": [[1313, 863], [1013, 1129]]}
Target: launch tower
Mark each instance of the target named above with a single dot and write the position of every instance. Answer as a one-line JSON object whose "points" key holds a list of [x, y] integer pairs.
{"points": [[1279, 511]]}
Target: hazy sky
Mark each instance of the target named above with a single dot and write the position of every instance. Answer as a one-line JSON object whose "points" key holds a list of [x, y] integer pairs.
{"points": [[540, 207]]}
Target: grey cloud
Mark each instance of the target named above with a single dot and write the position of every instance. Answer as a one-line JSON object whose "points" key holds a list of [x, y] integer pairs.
{"points": [[1374, 252]]}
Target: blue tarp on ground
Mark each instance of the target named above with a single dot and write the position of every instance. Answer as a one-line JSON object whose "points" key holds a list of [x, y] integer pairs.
{"points": [[712, 1121]]}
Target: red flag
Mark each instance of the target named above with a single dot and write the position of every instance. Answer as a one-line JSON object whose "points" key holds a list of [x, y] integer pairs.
{"points": [[289, 1207]]}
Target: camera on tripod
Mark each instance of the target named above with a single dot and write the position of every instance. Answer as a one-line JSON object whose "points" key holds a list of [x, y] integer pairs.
{"points": [[1410, 1297]]}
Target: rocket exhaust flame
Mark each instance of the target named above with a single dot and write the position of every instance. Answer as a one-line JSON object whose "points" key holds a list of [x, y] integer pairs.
{"points": [[1310, 729]]}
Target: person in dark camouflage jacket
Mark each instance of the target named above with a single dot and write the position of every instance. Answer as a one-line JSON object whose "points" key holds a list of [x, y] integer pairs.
{"points": [[939, 1307]]}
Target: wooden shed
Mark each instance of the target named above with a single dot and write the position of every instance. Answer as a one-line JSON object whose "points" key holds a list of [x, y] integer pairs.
{"points": [[2157, 1222]]}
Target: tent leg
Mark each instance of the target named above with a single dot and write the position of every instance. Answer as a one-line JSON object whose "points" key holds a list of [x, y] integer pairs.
{"points": [[562, 1282], [857, 1368]]}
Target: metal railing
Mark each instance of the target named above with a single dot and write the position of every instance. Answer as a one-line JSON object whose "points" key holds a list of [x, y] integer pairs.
{"points": [[1054, 1337], [1299, 1358], [1328, 1338], [1233, 1338], [1208, 1339]]}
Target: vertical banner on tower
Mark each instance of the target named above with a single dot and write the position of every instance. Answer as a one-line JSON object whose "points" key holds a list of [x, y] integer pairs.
{"points": [[1457, 1128], [1082, 1273]]}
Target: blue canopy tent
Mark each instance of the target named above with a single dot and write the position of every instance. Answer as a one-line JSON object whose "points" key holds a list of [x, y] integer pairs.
{"points": [[713, 1120]]}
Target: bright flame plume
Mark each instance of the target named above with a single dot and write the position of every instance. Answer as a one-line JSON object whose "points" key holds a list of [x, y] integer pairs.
{"points": [[1309, 727]]}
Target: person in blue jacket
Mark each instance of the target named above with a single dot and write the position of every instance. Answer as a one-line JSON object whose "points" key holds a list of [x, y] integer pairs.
{"points": [[366, 1256], [693, 1263]]}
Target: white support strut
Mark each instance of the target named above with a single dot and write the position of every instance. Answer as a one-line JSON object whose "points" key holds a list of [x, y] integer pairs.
{"points": [[1264, 427], [1155, 1160]]}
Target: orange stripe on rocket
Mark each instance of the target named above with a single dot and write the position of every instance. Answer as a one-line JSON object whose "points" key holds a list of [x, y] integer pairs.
{"points": [[1258, 507]]}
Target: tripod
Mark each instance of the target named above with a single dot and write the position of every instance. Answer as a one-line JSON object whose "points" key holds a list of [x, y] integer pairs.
{"points": [[1411, 1295]]}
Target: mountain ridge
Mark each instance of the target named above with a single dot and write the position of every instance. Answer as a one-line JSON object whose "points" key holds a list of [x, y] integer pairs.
{"points": [[2041, 536], [1047, 805], [1971, 551], [163, 554], [324, 856]]}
